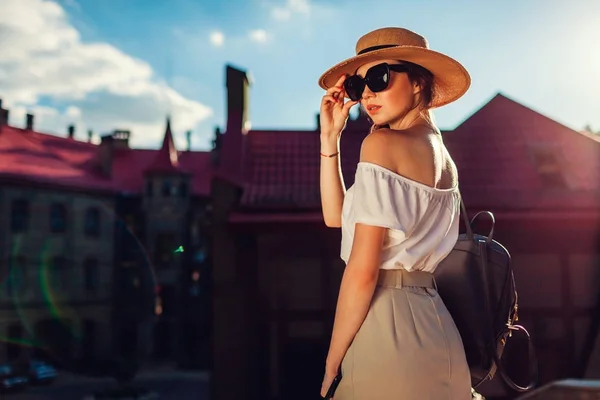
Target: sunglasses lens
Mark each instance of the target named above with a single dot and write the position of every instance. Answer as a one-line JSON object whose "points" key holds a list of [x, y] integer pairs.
{"points": [[378, 77], [354, 86]]}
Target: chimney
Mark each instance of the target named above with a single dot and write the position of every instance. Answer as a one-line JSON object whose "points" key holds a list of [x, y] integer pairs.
{"points": [[121, 138], [238, 85], [188, 136], [3, 115], [71, 131], [216, 142], [29, 122], [106, 150], [90, 135]]}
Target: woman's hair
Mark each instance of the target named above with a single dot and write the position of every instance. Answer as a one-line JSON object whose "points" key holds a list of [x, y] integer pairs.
{"points": [[424, 78]]}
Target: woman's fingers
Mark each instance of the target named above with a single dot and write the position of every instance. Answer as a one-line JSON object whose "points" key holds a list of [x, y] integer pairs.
{"points": [[329, 98], [338, 87], [341, 80], [348, 106]]}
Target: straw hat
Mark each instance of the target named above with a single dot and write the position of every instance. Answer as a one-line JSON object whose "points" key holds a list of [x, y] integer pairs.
{"points": [[451, 80]]}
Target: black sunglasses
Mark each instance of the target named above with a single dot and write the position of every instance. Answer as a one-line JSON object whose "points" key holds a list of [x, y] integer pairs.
{"points": [[377, 79]]}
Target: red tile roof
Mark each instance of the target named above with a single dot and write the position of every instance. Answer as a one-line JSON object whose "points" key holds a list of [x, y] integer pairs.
{"points": [[29, 156], [283, 167], [494, 151], [38, 158], [279, 170]]}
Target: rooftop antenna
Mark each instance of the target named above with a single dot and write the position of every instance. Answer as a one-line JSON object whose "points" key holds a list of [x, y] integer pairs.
{"points": [[169, 76]]}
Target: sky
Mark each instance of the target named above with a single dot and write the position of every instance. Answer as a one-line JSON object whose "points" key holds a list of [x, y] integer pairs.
{"points": [[116, 64]]}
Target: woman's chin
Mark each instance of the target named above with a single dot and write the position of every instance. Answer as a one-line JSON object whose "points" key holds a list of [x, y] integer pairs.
{"points": [[380, 121]]}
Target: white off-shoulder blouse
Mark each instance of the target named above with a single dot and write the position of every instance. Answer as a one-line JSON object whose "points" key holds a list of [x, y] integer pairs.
{"points": [[422, 222]]}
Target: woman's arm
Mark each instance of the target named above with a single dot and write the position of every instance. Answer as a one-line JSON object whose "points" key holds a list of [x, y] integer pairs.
{"points": [[332, 120], [356, 291], [332, 184], [361, 273]]}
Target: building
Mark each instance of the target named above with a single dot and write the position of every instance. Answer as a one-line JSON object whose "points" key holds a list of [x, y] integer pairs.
{"points": [[101, 246], [277, 267], [247, 215]]}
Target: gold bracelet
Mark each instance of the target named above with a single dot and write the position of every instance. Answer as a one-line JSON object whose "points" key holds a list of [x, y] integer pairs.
{"points": [[330, 155]]}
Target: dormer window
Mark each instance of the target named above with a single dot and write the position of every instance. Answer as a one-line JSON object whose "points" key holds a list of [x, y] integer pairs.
{"points": [[549, 167]]}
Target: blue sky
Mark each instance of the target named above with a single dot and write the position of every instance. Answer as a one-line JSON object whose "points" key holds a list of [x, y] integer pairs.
{"points": [[126, 64]]}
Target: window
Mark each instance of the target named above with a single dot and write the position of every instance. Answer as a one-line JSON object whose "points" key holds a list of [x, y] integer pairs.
{"points": [[58, 272], [548, 167], [164, 249], [58, 218], [149, 188], [91, 225], [17, 275], [19, 216], [91, 274], [183, 189], [166, 188]]}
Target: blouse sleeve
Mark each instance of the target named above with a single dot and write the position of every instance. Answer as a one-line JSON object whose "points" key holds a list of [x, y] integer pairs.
{"points": [[380, 199]]}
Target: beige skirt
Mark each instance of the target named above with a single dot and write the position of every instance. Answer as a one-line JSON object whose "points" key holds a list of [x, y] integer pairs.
{"points": [[408, 347]]}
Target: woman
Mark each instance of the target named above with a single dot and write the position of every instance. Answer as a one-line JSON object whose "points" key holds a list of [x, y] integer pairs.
{"points": [[393, 337]]}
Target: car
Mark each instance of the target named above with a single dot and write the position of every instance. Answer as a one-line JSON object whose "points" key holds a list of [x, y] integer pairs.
{"points": [[40, 372], [10, 380]]}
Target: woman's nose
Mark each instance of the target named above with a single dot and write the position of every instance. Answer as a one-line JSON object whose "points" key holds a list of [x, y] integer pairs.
{"points": [[367, 93]]}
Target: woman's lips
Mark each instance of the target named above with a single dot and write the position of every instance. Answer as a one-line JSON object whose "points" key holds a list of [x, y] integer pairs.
{"points": [[373, 108]]}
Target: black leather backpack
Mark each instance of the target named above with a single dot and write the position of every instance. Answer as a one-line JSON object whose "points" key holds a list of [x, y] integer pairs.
{"points": [[476, 283]]}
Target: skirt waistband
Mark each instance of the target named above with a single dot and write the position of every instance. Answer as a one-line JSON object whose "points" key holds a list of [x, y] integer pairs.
{"points": [[399, 278]]}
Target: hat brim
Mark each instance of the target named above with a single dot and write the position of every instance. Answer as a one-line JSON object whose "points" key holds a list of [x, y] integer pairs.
{"points": [[451, 80]]}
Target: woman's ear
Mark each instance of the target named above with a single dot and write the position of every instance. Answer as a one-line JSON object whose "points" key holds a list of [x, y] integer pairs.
{"points": [[416, 88]]}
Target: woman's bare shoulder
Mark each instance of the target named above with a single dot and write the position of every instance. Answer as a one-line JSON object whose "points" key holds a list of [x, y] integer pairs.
{"points": [[391, 148]]}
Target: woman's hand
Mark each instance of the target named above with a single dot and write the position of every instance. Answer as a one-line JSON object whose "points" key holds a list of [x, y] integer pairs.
{"points": [[334, 112]]}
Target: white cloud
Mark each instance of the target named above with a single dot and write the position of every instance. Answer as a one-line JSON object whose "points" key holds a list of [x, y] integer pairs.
{"points": [[281, 14], [95, 84], [291, 7], [217, 39], [73, 112], [72, 4], [258, 35], [299, 6]]}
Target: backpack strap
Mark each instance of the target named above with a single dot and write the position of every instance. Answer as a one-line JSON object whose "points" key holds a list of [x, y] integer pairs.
{"points": [[533, 367], [494, 347], [496, 344], [465, 216]]}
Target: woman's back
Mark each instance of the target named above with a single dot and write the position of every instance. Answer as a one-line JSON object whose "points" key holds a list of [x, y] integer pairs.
{"points": [[409, 187], [419, 153]]}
